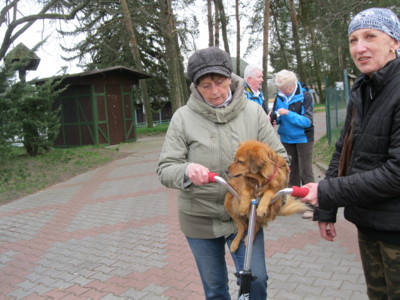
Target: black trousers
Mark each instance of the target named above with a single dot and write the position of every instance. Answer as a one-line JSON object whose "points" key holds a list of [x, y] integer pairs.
{"points": [[301, 171]]}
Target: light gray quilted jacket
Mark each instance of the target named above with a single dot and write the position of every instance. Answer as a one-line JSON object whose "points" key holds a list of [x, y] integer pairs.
{"points": [[210, 136]]}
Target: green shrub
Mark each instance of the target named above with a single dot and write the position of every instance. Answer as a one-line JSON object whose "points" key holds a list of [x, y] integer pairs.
{"points": [[27, 111]]}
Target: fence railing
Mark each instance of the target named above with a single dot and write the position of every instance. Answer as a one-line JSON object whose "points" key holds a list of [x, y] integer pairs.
{"points": [[336, 101]]}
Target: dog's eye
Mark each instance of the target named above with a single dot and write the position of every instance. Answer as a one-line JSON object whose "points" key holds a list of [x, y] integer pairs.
{"points": [[239, 161]]}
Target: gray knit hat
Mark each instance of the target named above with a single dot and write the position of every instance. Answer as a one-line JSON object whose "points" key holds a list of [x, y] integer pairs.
{"points": [[209, 60], [382, 19]]}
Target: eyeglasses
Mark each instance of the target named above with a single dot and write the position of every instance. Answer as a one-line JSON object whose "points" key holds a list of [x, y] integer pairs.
{"points": [[287, 90]]}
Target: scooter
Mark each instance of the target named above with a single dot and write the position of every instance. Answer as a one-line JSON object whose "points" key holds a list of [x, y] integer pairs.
{"points": [[246, 275]]}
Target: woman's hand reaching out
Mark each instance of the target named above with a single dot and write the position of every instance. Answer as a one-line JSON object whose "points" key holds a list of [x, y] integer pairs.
{"points": [[312, 196]]}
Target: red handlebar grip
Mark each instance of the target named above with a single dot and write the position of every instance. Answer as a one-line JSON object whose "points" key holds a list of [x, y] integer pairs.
{"points": [[211, 177], [299, 192]]}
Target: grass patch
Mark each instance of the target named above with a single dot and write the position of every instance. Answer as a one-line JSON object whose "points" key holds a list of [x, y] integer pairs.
{"points": [[156, 130], [319, 107], [21, 175], [322, 150]]}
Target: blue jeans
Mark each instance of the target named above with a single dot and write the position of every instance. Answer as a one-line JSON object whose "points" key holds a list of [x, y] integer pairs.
{"points": [[210, 258]]}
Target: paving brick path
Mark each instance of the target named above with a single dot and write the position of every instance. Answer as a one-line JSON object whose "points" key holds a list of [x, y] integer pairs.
{"points": [[113, 233]]}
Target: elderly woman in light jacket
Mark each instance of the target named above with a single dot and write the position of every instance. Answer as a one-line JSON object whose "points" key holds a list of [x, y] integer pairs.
{"points": [[203, 137]]}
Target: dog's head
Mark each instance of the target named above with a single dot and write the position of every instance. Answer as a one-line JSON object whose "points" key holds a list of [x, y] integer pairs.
{"points": [[253, 157]]}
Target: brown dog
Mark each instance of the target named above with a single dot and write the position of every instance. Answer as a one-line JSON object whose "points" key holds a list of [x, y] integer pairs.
{"points": [[258, 171]]}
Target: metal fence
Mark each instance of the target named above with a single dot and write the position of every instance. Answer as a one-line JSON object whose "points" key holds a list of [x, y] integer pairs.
{"points": [[336, 101]]}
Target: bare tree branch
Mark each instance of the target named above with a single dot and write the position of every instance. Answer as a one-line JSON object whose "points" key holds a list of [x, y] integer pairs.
{"points": [[12, 33]]}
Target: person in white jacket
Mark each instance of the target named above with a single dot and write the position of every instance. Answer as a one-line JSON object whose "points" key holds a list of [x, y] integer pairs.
{"points": [[203, 137]]}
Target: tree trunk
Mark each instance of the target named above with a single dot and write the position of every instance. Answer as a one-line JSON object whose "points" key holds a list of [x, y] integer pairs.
{"points": [[210, 24], [341, 60], [279, 38], [237, 38], [265, 49], [224, 22], [317, 67], [216, 24], [138, 60], [175, 75], [296, 41]]}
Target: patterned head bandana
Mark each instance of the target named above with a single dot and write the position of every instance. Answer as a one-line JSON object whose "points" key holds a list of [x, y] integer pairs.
{"points": [[382, 19]]}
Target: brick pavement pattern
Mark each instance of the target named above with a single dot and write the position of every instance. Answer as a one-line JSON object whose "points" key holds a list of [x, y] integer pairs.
{"points": [[113, 233]]}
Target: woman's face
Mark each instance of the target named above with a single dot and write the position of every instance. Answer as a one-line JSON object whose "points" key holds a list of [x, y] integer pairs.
{"points": [[371, 49], [214, 89], [288, 89]]}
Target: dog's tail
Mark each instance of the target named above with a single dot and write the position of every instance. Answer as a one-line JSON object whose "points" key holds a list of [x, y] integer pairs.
{"points": [[291, 206]]}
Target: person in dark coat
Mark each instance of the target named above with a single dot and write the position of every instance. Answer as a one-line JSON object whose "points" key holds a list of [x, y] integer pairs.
{"points": [[364, 173]]}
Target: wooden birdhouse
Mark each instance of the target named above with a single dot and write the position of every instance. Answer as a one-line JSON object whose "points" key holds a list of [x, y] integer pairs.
{"points": [[23, 59]]}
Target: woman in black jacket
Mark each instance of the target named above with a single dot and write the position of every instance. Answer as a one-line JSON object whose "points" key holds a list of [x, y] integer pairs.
{"points": [[364, 173]]}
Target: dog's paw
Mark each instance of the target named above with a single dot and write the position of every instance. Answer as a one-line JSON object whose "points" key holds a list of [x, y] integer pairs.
{"points": [[234, 247], [243, 211], [261, 211]]}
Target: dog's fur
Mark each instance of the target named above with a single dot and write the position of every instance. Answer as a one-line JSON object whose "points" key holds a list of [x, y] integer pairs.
{"points": [[257, 171]]}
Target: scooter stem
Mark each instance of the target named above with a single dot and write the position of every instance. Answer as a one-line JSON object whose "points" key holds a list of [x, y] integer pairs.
{"points": [[250, 235]]}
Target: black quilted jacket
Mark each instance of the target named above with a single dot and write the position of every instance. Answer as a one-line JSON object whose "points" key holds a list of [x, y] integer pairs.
{"points": [[370, 193]]}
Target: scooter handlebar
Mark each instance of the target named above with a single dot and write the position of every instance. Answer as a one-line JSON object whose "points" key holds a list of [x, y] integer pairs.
{"points": [[299, 192], [211, 177], [296, 191]]}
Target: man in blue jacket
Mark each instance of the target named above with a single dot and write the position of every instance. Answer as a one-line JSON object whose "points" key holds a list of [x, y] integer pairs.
{"points": [[253, 75]]}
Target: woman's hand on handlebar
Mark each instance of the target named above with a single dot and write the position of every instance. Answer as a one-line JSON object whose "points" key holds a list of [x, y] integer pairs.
{"points": [[312, 196], [198, 174]]}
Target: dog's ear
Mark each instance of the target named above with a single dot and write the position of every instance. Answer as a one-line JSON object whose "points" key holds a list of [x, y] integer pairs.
{"points": [[267, 159], [257, 159], [254, 165], [272, 156]]}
